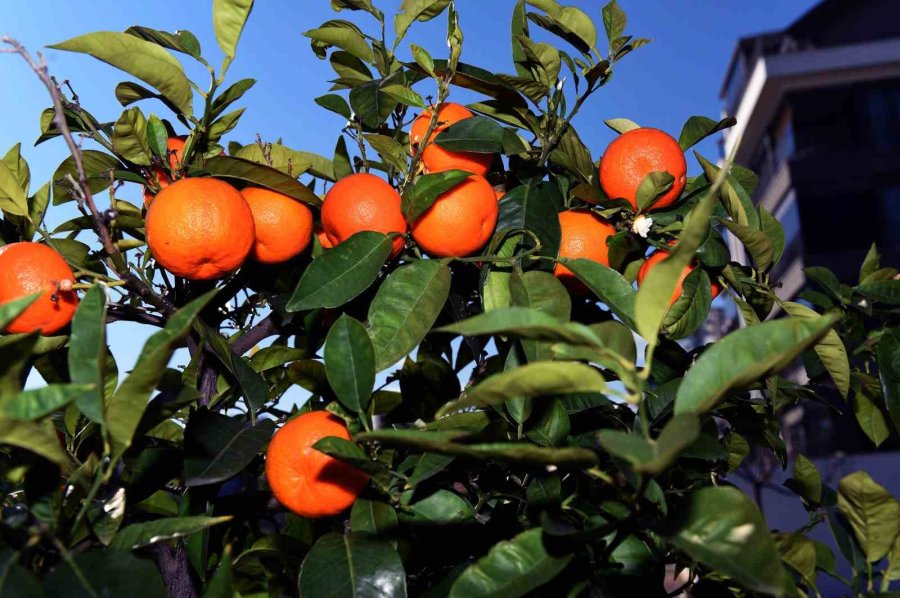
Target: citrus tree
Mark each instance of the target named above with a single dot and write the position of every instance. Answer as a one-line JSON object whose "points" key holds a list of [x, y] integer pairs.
{"points": [[496, 409]]}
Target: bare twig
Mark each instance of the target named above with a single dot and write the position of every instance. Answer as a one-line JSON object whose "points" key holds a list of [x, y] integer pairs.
{"points": [[82, 188], [262, 330]]}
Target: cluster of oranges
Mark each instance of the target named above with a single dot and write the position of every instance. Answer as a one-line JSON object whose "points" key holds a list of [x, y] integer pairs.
{"points": [[203, 228]]}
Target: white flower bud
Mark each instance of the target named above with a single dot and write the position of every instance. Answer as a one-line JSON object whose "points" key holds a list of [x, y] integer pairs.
{"points": [[642, 225]]}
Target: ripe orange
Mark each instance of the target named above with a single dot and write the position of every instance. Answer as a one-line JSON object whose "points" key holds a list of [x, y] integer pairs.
{"points": [[322, 237], [175, 145], [584, 235], [306, 481], [437, 159], [283, 225], [658, 256], [460, 221], [200, 228], [362, 202], [28, 268], [634, 155]]}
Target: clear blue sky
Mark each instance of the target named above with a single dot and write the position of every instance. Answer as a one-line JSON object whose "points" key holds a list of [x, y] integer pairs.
{"points": [[660, 85]]}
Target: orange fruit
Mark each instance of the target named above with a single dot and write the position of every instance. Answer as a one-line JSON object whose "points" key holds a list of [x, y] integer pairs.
{"points": [[200, 228], [437, 159], [322, 237], [584, 235], [362, 202], [658, 256], [28, 268], [499, 193], [283, 225], [635, 154], [460, 221], [306, 481], [175, 145]]}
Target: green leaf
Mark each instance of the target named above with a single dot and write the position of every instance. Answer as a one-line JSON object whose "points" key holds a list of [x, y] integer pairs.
{"points": [[342, 273], [373, 518], [871, 263], [438, 508], [335, 103], [97, 166], [830, 349], [235, 92], [621, 125], [345, 38], [180, 41], [871, 419], [758, 243], [290, 162], [138, 535], [390, 150], [423, 59], [614, 21], [746, 355], [350, 363], [13, 198], [807, 480], [224, 447], [510, 569], [522, 322], [654, 457], [36, 403], [773, 229], [356, 567], [125, 408], [229, 167], [39, 439], [370, 104], [12, 310], [145, 60], [229, 18], [799, 552], [883, 291], [404, 95], [475, 134], [130, 137], [533, 207], [611, 287], [516, 452], [698, 128], [734, 195], [723, 529], [888, 369], [105, 573], [653, 187], [422, 194], [543, 378], [157, 136], [416, 10], [405, 308], [222, 583], [87, 351], [872, 512], [224, 124], [252, 384]]}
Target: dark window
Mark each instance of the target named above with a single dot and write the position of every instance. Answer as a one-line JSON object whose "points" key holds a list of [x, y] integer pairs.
{"points": [[883, 109], [890, 218]]}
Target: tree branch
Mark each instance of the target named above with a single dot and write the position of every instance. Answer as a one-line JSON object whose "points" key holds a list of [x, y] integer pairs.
{"points": [[265, 328], [83, 190]]}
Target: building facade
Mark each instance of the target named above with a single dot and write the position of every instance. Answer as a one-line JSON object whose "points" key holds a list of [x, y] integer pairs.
{"points": [[818, 111]]}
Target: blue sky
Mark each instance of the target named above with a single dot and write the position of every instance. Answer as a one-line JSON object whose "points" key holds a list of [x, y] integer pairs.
{"points": [[660, 85]]}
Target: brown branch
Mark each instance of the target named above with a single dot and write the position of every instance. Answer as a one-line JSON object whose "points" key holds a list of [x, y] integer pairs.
{"points": [[263, 329], [83, 190], [117, 313]]}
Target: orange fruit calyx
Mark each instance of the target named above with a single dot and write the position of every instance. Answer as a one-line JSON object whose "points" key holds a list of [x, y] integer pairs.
{"points": [[27, 268], [304, 480], [634, 155]]}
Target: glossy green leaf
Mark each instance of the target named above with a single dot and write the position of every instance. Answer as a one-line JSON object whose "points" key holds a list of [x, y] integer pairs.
{"points": [[652, 188], [889, 370], [157, 136], [97, 167], [723, 529], [350, 363], [373, 518], [232, 94], [475, 134], [746, 355], [130, 137], [653, 457], [37, 402], [611, 287], [137, 535], [511, 568], [438, 508], [882, 291], [871, 419], [759, 245], [698, 128], [416, 10], [418, 197], [345, 38], [87, 351], [872, 512], [229, 18], [13, 198], [799, 553], [807, 481], [356, 567], [405, 308], [180, 41], [105, 573], [229, 167], [543, 378], [11, 310], [342, 273], [522, 322], [224, 447], [830, 349], [125, 408], [533, 207], [145, 60], [621, 125], [37, 438]]}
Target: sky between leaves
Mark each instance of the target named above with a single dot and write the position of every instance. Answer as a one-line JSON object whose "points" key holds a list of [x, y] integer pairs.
{"points": [[660, 85]]}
